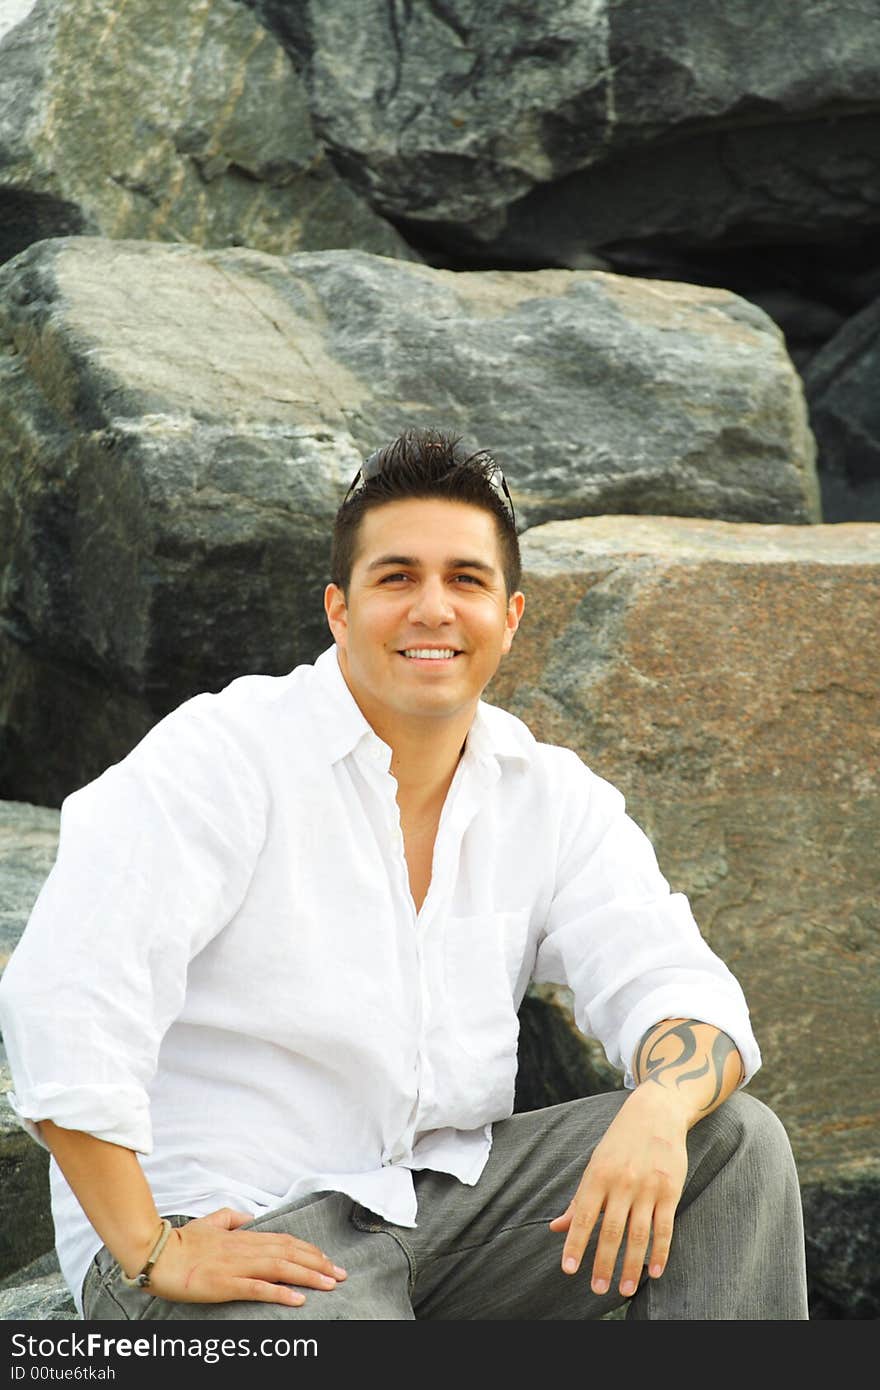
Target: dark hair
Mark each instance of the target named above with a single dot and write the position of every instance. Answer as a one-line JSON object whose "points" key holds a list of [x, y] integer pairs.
{"points": [[425, 463]]}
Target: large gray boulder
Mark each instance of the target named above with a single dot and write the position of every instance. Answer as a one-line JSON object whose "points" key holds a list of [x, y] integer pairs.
{"points": [[842, 385], [177, 428], [724, 677], [181, 120], [539, 133]]}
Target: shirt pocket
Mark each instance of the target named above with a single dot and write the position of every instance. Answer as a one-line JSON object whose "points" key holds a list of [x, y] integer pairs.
{"points": [[483, 957]]}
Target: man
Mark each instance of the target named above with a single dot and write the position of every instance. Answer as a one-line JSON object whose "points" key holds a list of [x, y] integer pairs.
{"points": [[264, 1012]]}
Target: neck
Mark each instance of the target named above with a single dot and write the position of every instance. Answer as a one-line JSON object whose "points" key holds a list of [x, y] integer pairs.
{"points": [[424, 765]]}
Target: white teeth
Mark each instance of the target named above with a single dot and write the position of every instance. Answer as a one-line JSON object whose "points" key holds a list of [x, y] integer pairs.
{"points": [[430, 653]]}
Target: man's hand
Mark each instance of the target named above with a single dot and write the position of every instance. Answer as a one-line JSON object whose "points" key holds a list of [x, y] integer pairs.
{"points": [[634, 1180], [209, 1260]]}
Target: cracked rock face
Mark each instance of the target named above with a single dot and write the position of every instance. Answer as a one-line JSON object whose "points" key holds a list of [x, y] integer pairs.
{"points": [[175, 120], [721, 675], [542, 133], [177, 428]]}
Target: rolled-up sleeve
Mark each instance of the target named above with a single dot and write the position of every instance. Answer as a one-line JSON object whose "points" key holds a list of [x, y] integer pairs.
{"points": [[154, 858], [627, 947]]}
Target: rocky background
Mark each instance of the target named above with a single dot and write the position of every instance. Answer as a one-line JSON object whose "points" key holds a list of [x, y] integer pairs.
{"points": [[633, 246]]}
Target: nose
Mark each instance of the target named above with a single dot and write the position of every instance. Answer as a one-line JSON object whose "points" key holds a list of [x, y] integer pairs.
{"points": [[431, 606]]}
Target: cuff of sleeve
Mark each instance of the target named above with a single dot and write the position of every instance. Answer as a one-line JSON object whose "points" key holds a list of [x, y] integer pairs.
{"points": [[116, 1114], [719, 1012]]}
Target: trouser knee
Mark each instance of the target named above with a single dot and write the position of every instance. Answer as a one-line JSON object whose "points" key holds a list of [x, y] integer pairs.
{"points": [[750, 1133]]}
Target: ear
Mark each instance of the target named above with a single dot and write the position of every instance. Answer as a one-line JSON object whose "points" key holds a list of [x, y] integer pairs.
{"points": [[337, 614], [515, 605]]}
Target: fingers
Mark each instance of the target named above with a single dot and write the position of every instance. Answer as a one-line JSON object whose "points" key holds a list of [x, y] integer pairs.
{"points": [[638, 1236], [226, 1219], [272, 1244], [664, 1217], [229, 1220], [258, 1291], [622, 1222], [580, 1220], [266, 1267], [212, 1260]]}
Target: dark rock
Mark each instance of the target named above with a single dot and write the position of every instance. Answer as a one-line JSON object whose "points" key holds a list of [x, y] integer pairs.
{"points": [[539, 133], [26, 1228], [731, 187], [842, 1222], [842, 385], [40, 1268], [556, 1062]]}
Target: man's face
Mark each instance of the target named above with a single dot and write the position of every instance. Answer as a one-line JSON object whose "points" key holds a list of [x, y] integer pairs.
{"points": [[427, 578]]}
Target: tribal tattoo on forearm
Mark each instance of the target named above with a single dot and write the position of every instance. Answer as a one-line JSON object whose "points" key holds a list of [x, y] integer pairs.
{"points": [[665, 1058]]}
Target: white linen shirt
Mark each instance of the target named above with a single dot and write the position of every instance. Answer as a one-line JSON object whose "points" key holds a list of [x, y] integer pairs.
{"points": [[225, 970]]}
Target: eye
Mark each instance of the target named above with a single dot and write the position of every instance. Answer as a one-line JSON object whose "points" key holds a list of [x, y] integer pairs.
{"points": [[393, 578], [469, 579]]}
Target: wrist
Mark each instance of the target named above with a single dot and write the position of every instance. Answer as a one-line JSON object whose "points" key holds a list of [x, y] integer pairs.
{"points": [[141, 1257], [668, 1101]]}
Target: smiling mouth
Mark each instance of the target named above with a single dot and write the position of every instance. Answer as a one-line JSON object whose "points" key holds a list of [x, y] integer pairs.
{"points": [[429, 653]]}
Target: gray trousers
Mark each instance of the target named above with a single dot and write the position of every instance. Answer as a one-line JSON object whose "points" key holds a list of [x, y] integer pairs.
{"points": [[485, 1252]]}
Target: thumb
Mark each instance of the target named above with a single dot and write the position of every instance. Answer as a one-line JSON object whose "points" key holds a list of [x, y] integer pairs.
{"points": [[562, 1223], [227, 1219]]}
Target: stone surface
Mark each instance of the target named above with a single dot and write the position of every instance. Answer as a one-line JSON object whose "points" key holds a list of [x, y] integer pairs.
{"points": [[39, 1300], [805, 180], [40, 1268], [842, 385], [26, 1229], [537, 133], [181, 120], [722, 675], [28, 841], [841, 1226], [177, 428]]}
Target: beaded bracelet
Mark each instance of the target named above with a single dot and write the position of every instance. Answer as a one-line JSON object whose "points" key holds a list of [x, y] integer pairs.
{"points": [[142, 1280]]}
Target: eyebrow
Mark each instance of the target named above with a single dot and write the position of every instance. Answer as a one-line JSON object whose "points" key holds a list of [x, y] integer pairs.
{"points": [[412, 562]]}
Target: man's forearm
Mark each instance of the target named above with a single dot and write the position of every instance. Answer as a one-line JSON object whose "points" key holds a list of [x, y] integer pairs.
{"points": [[110, 1186], [693, 1061]]}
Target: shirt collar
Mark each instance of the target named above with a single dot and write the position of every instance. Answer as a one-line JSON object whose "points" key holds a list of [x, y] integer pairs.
{"points": [[494, 734], [336, 710]]}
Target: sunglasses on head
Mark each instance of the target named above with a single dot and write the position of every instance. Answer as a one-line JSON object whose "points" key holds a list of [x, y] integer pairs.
{"points": [[373, 465]]}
